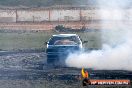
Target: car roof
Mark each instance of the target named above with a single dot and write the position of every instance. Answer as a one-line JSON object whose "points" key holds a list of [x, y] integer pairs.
{"points": [[65, 35]]}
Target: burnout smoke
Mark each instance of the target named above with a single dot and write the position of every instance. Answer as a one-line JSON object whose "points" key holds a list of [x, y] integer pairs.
{"points": [[116, 39]]}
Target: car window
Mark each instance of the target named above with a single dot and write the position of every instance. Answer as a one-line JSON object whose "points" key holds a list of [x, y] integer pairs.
{"points": [[72, 40]]}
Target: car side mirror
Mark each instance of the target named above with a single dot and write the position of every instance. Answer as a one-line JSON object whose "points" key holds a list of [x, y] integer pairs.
{"points": [[85, 42], [46, 43]]}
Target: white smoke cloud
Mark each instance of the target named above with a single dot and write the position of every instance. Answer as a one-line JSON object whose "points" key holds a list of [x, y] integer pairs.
{"points": [[114, 3], [112, 58], [116, 53]]}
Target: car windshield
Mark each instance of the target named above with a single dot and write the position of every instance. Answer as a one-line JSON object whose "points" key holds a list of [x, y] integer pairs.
{"points": [[70, 40]]}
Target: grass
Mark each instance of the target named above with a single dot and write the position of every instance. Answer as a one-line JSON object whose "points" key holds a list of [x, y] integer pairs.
{"points": [[36, 40]]}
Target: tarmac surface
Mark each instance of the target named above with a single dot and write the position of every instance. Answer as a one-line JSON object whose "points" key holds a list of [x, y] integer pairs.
{"points": [[30, 70]]}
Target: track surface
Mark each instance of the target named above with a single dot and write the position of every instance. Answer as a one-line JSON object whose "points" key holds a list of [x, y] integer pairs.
{"points": [[32, 66]]}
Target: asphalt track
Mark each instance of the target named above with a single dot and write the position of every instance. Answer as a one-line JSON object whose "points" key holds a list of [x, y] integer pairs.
{"points": [[32, 66]]}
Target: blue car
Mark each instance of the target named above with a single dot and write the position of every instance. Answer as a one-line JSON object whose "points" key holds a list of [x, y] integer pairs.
{"points": [[60, 46]]}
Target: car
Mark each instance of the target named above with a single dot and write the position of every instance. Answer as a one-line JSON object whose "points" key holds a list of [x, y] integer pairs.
{"points": [[60, 46]]}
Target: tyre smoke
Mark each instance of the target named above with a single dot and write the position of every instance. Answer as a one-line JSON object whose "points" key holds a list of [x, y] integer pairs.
{"points": [[116, 52]]}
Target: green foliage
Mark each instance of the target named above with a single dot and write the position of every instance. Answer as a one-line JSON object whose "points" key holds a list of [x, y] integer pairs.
{"points": [[42, 3]]}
